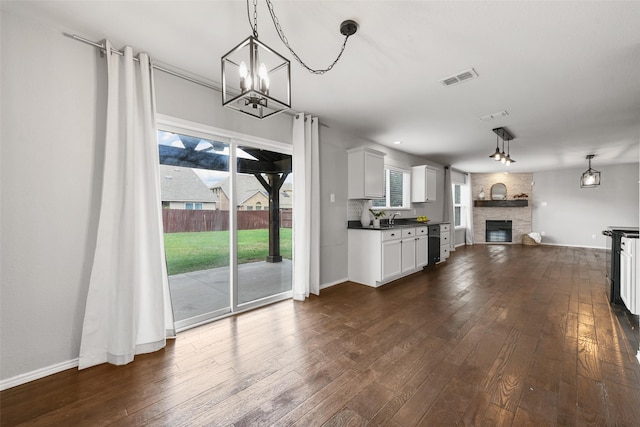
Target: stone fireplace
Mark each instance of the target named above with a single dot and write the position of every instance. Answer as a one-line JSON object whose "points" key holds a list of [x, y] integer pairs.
{"points": [[520, 216]]}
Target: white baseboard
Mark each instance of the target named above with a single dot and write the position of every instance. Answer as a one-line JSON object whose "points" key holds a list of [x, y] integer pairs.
{"points": [[571, 246], [37, 374], [337, 282]]}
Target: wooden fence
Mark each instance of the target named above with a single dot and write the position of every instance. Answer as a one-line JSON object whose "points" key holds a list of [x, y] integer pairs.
{"points": [[179, 220]]}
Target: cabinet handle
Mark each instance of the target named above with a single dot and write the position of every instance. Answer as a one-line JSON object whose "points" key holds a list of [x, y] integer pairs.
{"points": [[392, 234]]}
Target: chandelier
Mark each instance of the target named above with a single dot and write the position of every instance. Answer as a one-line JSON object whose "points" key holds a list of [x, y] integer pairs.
{"points": [[501, 156], [591, 177], [256, 80]]}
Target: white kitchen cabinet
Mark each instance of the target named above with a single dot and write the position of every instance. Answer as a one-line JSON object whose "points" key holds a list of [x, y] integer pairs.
{"points": [[391, 259], [408, 250], [365, 174], [422, 247], [423, 184], [628, 275], [445, 241], [378, 257]]}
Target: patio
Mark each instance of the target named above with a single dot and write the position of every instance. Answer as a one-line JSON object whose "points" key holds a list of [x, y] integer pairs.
{"points": [[204, 291]]}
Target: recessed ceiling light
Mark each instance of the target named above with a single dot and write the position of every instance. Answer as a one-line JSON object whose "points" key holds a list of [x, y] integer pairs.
{"points": [[397, 142]]}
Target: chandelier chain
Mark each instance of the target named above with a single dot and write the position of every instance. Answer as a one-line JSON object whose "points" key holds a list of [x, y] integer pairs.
{"points": [[280, 32], [254, 25]]}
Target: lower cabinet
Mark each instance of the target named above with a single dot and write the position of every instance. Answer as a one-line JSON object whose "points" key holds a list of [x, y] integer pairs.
{"points": [[422, 250], [445, 241], [391, 259], [378, 257]]}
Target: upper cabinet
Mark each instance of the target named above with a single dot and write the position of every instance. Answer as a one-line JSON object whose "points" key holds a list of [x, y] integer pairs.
{"points": [[423, 184], [366, 173]]}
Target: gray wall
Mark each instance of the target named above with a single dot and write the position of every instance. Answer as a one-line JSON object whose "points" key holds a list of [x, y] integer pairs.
{"points": [[53, 101], [573, 215], [50, 94]]}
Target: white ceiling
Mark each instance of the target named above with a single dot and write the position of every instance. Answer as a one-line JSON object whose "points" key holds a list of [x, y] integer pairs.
{"points": [[568, 73]]}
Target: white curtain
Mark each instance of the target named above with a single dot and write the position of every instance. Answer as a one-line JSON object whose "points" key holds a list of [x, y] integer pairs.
{"points": [[447, 215], [128, 308], [306, 207], [469, 212]]}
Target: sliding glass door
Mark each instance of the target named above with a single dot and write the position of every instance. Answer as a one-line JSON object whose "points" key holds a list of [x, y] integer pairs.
{"points": [[264, 189], [227, 215]]}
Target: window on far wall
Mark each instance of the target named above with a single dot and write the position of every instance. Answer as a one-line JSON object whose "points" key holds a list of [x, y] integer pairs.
{"points": [[193, 206], [459, 205], [396, 190]]}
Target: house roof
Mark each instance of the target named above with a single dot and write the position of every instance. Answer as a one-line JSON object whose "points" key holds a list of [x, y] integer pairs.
{"points": [[178, 184], [248, 186]]}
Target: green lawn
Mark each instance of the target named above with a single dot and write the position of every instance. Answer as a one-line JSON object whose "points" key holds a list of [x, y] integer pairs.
{"points": [[202, 250]]}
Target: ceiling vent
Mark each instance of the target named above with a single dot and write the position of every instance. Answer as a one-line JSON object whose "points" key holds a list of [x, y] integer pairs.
{"points": [[490, 117], [461, 77]]}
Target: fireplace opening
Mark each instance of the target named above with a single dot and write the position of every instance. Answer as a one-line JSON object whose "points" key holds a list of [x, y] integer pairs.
{"points": [[498, 231]]}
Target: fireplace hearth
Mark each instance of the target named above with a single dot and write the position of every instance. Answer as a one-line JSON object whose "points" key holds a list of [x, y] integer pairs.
{"points": [[498, 231]]}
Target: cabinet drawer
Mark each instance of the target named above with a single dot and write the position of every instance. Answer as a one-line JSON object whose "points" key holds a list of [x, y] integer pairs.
{"points": [[408, 232], [444, 227], [391, 235], [422, 231], [444, 253], [444, 240]]}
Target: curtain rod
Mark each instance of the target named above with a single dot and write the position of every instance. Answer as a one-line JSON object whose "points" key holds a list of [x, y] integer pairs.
{"points": [[164, 70], [155, 66]]}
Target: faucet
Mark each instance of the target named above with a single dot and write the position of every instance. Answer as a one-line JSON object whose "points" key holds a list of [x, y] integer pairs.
{"points": [[392, 219]]}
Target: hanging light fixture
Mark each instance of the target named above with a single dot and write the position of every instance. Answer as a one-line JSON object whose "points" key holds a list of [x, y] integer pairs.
{"points": [[256, 80], [496, 155], [503, 155], [591, 177], [506, 136], [509, 159]]}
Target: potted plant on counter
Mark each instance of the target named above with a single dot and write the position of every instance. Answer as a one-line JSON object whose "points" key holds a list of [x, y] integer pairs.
{"points": [[376, 217]]}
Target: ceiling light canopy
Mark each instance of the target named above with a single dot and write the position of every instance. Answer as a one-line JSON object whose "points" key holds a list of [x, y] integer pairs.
{"points": [[256, 80], [591, 177]]}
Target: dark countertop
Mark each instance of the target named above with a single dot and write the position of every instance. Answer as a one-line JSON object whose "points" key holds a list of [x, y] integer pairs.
{"points": [[399, 223], [631, 235], [622, 228]]}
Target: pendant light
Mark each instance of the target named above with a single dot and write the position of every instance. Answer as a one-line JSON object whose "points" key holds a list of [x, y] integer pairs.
{"points": [[509, 159], [256, 80], [496, 155], [506, 136], [591, 177]]}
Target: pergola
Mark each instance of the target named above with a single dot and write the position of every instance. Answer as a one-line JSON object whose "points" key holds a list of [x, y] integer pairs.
{"points": [[270, 169]]}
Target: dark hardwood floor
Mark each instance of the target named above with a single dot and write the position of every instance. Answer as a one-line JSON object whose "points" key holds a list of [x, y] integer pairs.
{"points": [[498, 335]]}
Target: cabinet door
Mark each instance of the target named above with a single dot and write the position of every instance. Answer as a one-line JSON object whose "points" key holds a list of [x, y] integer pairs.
{"points": [[423, 184], [373, 175], [391, 259], [408, 254], [430, 184], [625, 279], [422, 251]]}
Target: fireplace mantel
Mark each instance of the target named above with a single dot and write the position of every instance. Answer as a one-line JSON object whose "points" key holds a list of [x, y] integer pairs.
{"points": [[501, 203]]}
